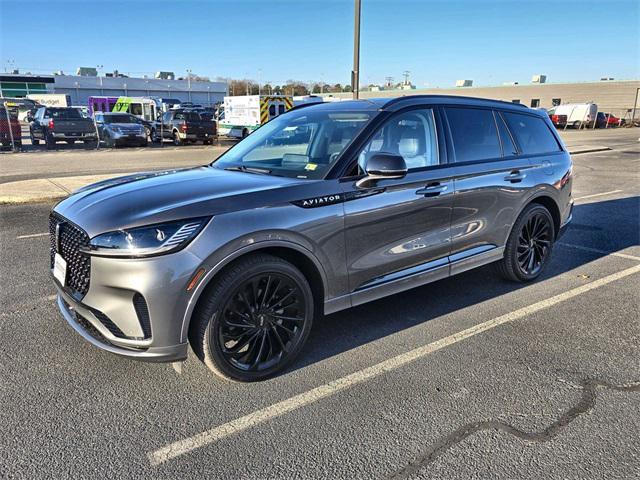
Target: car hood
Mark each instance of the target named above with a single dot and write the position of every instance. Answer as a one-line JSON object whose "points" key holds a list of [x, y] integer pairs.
{"points": [[154, 197]]}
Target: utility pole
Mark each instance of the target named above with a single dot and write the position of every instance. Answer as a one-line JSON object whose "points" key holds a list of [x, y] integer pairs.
{"points": [[405, 74], [355, 73]]}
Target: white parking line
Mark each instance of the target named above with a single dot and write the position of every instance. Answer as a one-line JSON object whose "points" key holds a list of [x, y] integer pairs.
{"points": [[597, 250], [598, 195], [257, 417], [33, 235]]}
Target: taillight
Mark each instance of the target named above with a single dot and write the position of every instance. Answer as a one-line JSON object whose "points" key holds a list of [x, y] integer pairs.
{"points": [[183, 127], [51, 124]]}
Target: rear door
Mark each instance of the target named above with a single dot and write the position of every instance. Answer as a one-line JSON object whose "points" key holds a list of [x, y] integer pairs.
{"points": [[492, 179], [397, 232]]}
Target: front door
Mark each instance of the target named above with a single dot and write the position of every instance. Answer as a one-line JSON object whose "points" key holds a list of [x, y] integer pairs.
{"points": [[398, 231]]}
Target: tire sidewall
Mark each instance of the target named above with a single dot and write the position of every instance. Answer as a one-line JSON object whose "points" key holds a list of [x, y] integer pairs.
{"points": [[213, 348]]}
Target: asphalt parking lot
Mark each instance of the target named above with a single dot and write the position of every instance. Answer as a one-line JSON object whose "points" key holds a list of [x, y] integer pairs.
{"points": [[470, 377]]}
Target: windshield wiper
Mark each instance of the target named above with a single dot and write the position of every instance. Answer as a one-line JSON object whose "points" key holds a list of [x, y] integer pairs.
{"points": [[243, 168]]}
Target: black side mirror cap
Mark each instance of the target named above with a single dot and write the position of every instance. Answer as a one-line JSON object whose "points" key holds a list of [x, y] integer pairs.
{"points": [[383, 166]]}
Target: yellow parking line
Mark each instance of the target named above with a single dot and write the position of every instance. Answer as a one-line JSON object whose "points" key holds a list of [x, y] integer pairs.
{"points": [[262, 415]]}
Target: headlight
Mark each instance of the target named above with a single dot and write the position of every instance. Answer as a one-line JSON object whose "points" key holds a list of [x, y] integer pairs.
{"points": [[147, 241], [115, 129]]}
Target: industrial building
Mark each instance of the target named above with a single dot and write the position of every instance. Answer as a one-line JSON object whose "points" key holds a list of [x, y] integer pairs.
{"points": [[614, 96], [81, 87]]}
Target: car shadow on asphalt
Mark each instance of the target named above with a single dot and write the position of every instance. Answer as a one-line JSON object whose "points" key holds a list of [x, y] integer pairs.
{"points": [[608, 226]]}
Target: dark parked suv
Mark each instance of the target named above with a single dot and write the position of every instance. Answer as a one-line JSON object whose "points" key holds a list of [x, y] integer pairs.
{"points": [[322, 208]]}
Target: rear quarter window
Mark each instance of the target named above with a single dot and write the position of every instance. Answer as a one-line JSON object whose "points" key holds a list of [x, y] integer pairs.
{"points": [[532, 133]]}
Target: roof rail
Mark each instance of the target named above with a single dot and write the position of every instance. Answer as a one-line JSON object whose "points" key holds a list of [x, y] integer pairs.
{"points": [[395, 100]]}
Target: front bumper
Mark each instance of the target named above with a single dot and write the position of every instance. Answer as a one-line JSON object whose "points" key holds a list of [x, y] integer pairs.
{"points": [[84, 322], [133, 307]]}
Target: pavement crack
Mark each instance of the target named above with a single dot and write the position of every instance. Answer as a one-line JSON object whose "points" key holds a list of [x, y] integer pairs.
{"points": [[586, 403]]}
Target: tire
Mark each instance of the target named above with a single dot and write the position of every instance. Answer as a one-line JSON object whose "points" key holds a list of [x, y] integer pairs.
{"points": [[260, 282], [155, 138], [90, 143], [576, 124], [147, 132], [49, 141], [108, 141], [145, 143], [177, 141], [530, 243], [34, 141]]}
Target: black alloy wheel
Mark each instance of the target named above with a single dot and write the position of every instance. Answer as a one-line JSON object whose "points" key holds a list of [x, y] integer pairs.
{"points": [[534, 243], [261, 322], [255, 320], [529, 245]]}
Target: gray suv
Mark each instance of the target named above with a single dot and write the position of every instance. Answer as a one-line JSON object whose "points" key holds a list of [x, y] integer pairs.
{"points": [[323, 208]]}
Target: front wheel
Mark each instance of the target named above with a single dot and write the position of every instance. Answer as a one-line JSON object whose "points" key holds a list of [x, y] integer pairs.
{"points": [[529, 245], [254, 320]]}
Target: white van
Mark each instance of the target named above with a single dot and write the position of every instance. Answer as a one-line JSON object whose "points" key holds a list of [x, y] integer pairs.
{"points": [[243, 114], [578, 114]]}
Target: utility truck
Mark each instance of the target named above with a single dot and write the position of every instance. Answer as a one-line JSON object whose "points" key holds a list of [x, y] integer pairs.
{"points": [[241, 115]]}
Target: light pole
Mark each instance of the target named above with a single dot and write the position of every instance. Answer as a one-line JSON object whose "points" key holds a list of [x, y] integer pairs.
{"points": [[99, 68], [635, 103], [189, 82], [355, 73]]}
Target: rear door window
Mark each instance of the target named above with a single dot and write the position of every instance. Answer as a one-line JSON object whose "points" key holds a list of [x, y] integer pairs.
{"points": [[532, 133], [474, 134]]}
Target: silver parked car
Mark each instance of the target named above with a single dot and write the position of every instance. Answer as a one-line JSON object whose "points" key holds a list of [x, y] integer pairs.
{"points": [[117, 129], [323, 208]]}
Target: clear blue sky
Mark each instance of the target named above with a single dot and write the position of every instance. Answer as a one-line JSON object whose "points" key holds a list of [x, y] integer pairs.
{"points": [[437, 41]]}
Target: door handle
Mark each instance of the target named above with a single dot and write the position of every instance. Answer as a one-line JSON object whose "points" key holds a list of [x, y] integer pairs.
{"points": [[432, 190], [515, 176]]}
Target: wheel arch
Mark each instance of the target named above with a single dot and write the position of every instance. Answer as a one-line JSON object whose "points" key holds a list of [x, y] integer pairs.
{"points": [[551, 205], [295, 254]]}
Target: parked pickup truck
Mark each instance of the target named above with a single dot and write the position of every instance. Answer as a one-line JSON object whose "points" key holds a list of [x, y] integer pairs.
{"points": [[52, 125], [10, 130], [183, 126]]}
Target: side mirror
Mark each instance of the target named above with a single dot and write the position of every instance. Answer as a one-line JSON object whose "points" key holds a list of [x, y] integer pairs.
{"points": [[383, 166]]}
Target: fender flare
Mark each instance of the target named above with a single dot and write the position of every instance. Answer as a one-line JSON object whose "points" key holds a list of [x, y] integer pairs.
{"points": [[215, 269]]}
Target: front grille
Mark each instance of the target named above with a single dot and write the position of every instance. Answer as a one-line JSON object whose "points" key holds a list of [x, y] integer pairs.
{"points": [[71, 239]]}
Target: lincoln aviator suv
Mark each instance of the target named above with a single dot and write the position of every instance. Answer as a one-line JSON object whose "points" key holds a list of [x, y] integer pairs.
{"points": [[323, 208]]}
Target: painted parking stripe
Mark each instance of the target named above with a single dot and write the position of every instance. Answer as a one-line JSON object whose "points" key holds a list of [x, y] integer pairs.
{"points": [[597, 250], [33, 235], [598, 195], [263, 415]]}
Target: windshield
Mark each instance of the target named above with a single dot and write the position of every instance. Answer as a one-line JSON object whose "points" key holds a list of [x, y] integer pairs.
{"points": [[118, 119], [304, 143]]}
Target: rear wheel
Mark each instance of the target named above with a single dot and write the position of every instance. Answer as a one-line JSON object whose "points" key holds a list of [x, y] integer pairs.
{"points": [[529, 245], [177, 141], [49, 141], [254, 320], [576, 124]]}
